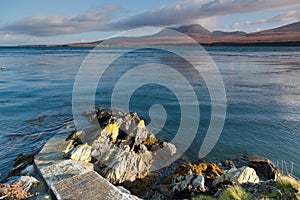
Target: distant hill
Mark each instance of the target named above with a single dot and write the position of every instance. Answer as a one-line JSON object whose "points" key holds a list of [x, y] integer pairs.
{"points": [[224, 33], [288, 35], [193, 30]]}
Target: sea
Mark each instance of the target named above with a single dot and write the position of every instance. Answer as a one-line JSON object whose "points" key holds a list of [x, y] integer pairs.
{"points": [[261, 84]]}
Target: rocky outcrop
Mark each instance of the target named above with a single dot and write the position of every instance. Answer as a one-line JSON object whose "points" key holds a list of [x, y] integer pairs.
{"points": [[124, 150], [239, 175], [263, 167]]}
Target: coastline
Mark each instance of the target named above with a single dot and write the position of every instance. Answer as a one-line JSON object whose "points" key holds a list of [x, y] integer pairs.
{"points": [[66, 153]]}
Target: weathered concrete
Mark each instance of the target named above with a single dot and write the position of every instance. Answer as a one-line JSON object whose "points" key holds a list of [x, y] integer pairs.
{"points": [[52, 152], [61, 170], [88, 186], [73, 180]]}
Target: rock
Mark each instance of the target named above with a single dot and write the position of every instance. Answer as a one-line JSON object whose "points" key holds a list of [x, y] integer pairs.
{"points": [[28, 171], [209, 171], [20, 164], [82, 153], [103, 117], [123, 149], [141, 185], [263, 167], [44, 197], [239, 175], [26, 181], [198, 181], [181, 183]]}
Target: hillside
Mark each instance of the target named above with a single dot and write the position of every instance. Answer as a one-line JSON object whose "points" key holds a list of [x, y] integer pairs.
{"points": [[288, 35]]}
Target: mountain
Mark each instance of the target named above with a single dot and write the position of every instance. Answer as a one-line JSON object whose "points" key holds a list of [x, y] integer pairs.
{"points": [[285, 35], [193, 30], [224, 33]]}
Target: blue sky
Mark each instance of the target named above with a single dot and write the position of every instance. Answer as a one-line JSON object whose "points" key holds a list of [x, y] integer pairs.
{"points": [[59, 22]]}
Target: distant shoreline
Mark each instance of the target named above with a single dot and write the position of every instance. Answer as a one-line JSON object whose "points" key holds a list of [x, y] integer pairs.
{"points": [[268, 44]]}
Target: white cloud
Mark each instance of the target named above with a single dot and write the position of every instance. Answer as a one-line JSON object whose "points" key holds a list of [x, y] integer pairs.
{"points": [[46, 25], [235, 26], [189, 11], [8, 37], [289, 16], [204, 12]]}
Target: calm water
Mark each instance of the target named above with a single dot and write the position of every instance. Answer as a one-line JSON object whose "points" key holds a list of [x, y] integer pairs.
{"points": [[262, 87]]}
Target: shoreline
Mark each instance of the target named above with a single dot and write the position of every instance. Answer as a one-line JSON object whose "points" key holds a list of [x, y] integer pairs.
{"points": [[180, 180]]}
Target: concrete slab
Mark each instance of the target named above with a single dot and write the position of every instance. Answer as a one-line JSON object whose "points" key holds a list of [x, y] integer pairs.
{"points": [[73, 180], [88, 186], [43, 160], [52, 152], [56, 144], [61, 170]]}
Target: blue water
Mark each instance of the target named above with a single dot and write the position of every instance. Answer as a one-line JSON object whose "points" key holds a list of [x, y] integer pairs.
{"points": [[262, 88]]}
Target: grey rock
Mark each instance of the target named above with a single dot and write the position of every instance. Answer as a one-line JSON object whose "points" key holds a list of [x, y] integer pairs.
{"points": [[239, 175], [82, 153], [198, 181], [182, 182], [28, 171], [123, 148]]}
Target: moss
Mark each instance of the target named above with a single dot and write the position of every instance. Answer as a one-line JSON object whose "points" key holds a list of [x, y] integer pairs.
{"points": [[288, 187], [188, 169], [150, 141], [141, 184], [203, 197], [235, 193], [209, 171], [212, 171]]}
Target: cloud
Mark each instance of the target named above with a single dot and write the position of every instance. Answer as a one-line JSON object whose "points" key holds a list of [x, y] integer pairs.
{"points": [[45, 25], [204, 12], [235, 26], [189, 11], [290, 16], [8, 37]]}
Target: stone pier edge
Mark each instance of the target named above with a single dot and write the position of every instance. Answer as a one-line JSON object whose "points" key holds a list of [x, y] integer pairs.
{"points": [[71, 180]]}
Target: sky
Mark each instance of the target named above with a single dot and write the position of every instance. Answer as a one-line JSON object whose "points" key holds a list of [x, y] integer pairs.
{"points": [[62, 22]]}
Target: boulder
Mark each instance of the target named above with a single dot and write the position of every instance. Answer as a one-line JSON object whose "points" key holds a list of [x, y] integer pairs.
{"points": [[263, 167], [124, 150], [183, 182], [82, 153], [239, 175]]}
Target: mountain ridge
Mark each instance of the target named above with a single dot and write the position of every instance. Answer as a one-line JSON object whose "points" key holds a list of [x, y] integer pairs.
{"points": [[287, 35]]}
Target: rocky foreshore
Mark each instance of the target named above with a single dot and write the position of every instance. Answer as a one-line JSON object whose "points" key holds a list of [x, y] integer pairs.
{"points": [[122, 160]]}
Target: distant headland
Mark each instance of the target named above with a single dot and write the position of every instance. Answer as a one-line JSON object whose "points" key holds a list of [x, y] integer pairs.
{"points": [[287, 35]]}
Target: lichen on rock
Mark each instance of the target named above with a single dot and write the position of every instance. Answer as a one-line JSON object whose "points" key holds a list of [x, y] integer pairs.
{"points": [[82, 153], [124, 150]]}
